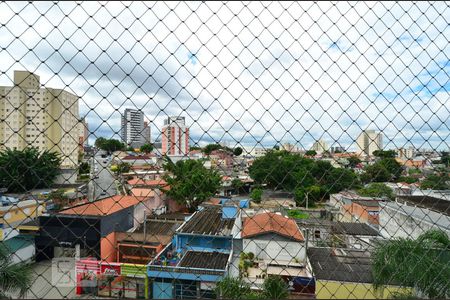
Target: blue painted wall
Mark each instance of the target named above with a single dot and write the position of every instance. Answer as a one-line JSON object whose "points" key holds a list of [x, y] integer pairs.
{"points": [[202, 242], [162, 290]]}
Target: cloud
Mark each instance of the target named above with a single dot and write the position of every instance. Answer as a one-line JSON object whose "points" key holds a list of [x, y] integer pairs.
{"points": [[244, 72]]}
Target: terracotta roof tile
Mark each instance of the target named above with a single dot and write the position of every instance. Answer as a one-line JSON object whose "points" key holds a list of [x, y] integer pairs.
{"points": [[271, 223], [105, 206]]}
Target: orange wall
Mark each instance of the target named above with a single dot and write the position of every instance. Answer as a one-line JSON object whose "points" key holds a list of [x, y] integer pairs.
{"points": [[108, 247], [360, 212]]}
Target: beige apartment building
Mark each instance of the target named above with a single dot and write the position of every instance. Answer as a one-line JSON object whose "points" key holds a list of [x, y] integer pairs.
{"points": [[45, 118], [368, 142]]}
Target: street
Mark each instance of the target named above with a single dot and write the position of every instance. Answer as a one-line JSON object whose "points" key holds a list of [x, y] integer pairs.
{"points": [[103, 185]]}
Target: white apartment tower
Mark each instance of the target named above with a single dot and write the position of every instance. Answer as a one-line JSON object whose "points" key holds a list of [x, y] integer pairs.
{"points": [[320, 146], [133, 128], [44, 118], [368, 142], [175, 136]]}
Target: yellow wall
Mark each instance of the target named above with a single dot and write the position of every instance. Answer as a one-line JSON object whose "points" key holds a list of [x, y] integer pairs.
{"points": [[13, 214], [340, 290]]}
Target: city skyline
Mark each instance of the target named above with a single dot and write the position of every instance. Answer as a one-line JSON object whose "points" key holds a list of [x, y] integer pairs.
{"points": [[303, 86]]}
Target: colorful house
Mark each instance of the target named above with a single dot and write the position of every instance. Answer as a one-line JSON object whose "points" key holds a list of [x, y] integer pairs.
{"points": [[274, 245], [198, 257]]}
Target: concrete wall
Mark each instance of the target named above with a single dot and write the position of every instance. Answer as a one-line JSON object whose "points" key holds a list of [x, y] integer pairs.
{"points": [[275, 249], [401, 220]]}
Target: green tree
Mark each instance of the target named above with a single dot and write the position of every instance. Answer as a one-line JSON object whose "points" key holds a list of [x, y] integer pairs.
{"points": [[59, 198], [13, 277], [311, 153], [210, 148], [309, 195], [256, 195], [190, 182], [274, 287], [232, 288], [435, 182], [109, 145], [385, 153], [276, 147], [339, 179], [445, 159], [376, 173], [147, 148], [237, 184], [353, 161], [407, 179], [27, 169], [121, 168], [237, 151], [393, 167], [84, 168], [130, 149], [422, 263], [377, 189]]}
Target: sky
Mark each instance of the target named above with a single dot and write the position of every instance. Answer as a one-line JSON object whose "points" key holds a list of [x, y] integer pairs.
{"points": [[244, 73]]}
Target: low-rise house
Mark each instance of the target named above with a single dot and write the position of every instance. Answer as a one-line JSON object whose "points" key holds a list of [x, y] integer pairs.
{"points": [[14, 212], [126, 269], [350, 207], [90, 227], [198, 256], [345, 274], [325, 233], [410, 216], [272, 244]]}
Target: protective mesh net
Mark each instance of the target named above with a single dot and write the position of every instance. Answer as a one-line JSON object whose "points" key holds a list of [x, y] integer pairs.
{"points": [[224, 150]]}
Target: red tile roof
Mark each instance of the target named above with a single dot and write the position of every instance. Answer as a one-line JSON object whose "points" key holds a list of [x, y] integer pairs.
{"points": [[143, 192], [105, 206], [156, 182], [271, 223]]}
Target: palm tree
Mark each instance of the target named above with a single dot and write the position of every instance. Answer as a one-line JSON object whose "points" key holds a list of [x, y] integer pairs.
{"points": [[422, 263], [274, 287], [13, 277], [232, 288]]}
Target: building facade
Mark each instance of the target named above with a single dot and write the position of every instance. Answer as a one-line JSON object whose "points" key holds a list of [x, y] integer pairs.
{"points": [[133, 128], [44, 118], [83, 134], [175, 136], [147, 133], [320, 146], [368, 142]]}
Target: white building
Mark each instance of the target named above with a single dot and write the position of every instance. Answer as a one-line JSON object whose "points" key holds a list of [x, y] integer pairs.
{"points": [[175, 136], [320, 146], [133, 128], [368, 142], [44, 118], [406, 153]]}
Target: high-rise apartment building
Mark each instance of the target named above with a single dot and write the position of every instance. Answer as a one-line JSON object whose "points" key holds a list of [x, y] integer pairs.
{"points": [[133, 127], [83, 134], [44, 118], [368, 142], [175, 136], [147, 133], [320, 146], [406, 153]]}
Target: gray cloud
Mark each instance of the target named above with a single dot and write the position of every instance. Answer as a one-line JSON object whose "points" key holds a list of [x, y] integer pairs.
{"points": [[264, 72]]}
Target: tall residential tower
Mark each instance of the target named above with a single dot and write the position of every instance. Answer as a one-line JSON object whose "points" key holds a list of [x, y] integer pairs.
{"points": [[175, 136], [44, 118], [368, 142], [133, 128]]}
